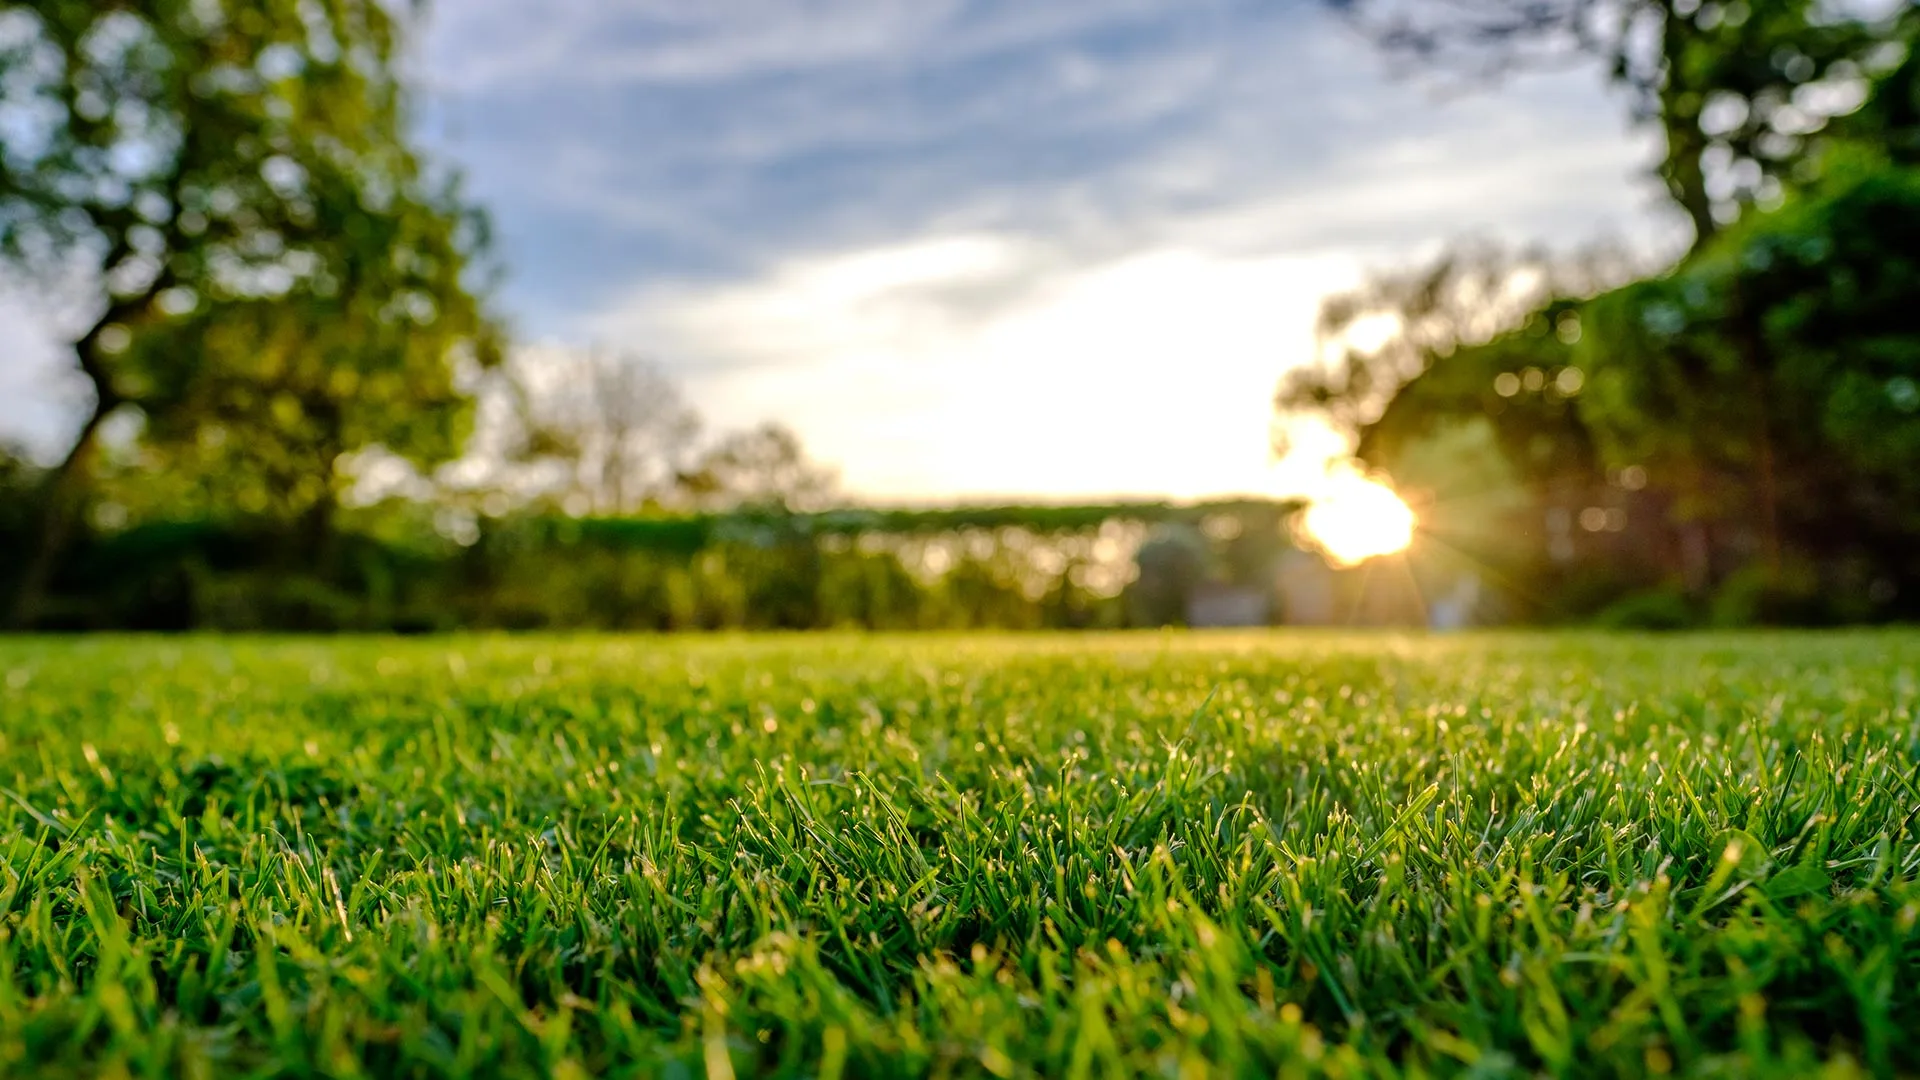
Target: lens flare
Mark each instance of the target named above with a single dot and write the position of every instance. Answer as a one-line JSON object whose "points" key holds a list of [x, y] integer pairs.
{"points": [[1356, 518]]}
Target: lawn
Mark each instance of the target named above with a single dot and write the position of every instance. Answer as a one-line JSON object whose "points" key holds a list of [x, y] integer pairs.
{"points": [[1254, 854]]}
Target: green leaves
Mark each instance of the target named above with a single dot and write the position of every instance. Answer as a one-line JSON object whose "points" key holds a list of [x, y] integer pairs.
{"points": [[1806, 879], [282, 279], [1776, 357]]}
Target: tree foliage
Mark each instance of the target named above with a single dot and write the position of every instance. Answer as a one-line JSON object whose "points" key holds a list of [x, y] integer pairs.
{"points": [[606, 433], [1739, 422], [588, 431], [1737, 87], [1757, 408], [1778, 374], [1376, 339], [276, 276], [764, 467]]}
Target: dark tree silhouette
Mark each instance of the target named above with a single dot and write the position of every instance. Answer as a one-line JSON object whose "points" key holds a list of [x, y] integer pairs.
{"points": [[1735, 87]]}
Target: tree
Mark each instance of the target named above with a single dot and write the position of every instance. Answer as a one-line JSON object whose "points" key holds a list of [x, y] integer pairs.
{"points": [[595, 432], [763, 468], [1682, 396], [1757, 408], [607, 433], [19, 484], [1170, 565], [1736, 86], [1777, 375], [1398, 327], [1375, 339], [1887, 127], [268, 259]]}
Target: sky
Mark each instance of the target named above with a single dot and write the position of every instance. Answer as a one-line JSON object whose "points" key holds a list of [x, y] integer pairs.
{"points": [[970, 248]]}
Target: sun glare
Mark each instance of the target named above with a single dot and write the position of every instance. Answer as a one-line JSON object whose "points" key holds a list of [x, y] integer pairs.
{"points": [[1356, 518]]}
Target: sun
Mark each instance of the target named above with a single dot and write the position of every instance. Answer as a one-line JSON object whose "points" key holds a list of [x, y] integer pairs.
{"points": [[1355, 518]]}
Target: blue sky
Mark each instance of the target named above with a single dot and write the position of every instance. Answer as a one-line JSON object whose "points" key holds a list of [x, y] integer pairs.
{"points": [[1058, 248]]}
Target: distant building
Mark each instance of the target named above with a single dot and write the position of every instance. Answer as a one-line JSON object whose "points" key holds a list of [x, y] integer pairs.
{"points": [[1213, 603], [1308, 596], [1459, 607]]}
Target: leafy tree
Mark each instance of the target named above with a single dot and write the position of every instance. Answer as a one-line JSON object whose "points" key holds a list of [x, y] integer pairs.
{"points": [[762, 467], [1485, 439], [276, 276], [594, 432], [1171, 564], [610, 434], [1381, 336], [1740, 91], [1757, 408], [1480, 330], [1736, 86], [1887, 126], [1776, 377], [19, 484], [1727, 408]]}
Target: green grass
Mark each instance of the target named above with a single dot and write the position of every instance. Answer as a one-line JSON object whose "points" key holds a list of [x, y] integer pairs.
{"points": [[1196, 855]]}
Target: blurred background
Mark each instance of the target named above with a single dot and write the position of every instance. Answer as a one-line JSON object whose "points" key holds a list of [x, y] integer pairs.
{"points": [[381, 315]]}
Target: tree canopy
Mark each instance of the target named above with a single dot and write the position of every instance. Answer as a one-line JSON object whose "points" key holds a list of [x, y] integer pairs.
{"points": [[271, 275], [1739, 422], [1738, 88]]}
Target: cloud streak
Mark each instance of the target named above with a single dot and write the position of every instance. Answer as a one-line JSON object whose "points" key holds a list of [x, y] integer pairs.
{"points": [[631, 140]]}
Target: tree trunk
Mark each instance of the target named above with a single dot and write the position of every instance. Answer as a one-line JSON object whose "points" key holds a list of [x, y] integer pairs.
{"points": [[1682, 170], [1768, 480], [1753, 354], [58, 511], [315, 545], [61, 494]]}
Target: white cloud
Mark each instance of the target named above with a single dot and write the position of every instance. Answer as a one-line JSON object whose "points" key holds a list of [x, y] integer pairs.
{"points": [[979, 366], [862, 303], [1119, 357]]}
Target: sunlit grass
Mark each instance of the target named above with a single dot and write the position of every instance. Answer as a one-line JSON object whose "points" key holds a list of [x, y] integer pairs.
{"points": [[1005, 855]]}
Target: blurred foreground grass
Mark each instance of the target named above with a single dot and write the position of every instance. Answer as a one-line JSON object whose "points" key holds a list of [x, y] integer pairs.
{"points": [[998, 855]]}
